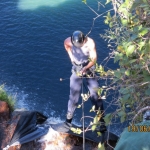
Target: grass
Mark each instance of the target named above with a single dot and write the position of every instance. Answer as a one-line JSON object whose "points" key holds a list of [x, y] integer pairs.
{"points": [[4, 96]]}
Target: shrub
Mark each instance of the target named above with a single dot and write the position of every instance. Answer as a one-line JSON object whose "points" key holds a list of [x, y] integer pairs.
{"points": [[4, 96]]}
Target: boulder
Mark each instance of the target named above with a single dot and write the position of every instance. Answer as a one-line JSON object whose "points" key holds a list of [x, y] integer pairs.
{"points": [[15, 128], [4, 117], [4, 111]]}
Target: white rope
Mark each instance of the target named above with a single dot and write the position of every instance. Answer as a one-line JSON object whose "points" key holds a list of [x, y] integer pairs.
{"points": [[83, 117]]}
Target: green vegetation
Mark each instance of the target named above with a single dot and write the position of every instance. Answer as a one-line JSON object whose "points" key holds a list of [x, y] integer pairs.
{"points": [[4, 96], [128, 37]]}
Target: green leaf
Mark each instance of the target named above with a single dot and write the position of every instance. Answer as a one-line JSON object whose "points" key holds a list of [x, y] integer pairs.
{"points": [[122, 115], [95, 121], [127, 44], [147, 92], [132, 61], [130, 50], [111, 24], [141, 44], [143, 31], [135, 30], [79, 106], [122, 101], [124, 90], [99, 91], [93, 108], [143, 5], [106, 21], [147, 47], [107, 118], [115, 80], [124, 21], [140, 27], [133, 37], [127, 72], [118, 56], [126, 97], [76, 130], [108, 15], [117, 74], [123, 9], [99, 134], [146, 77], [122, 119], [136, 4], [84, 1], [101, 146], [93, 127], [122, 70], [127, 2], [101, 68], [108, 18]]}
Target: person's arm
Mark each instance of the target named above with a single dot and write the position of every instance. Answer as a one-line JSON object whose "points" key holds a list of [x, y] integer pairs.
{"points": [[93, 55], [68, 45]]}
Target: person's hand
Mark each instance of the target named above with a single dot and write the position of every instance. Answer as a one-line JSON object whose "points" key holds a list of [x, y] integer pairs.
{"points": [[83, 71]]}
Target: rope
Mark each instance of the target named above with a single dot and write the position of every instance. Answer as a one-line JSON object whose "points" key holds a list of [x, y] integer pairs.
{"points": [[83, 117]]}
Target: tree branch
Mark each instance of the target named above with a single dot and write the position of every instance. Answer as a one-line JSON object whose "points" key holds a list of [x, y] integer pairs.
{"points": [[140, 111]]}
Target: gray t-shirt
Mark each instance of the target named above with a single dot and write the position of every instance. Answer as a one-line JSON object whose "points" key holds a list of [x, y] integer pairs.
{"points": [[80, 55]]}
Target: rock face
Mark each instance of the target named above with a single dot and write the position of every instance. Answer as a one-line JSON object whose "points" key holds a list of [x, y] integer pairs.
{"points": [[53, 140], [48, 142], [4, 111], [7, 128], [4, 117]]}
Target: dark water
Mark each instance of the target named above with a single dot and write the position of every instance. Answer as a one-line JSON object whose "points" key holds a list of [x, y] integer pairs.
{"points": [[32, 55]]}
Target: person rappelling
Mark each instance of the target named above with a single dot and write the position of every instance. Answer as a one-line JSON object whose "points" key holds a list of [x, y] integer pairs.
{"points": [[82, 52]]}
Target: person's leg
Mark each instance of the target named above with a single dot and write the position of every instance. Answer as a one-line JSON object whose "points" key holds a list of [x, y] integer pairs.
{"points": [[92, 84], [75, 87]]}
